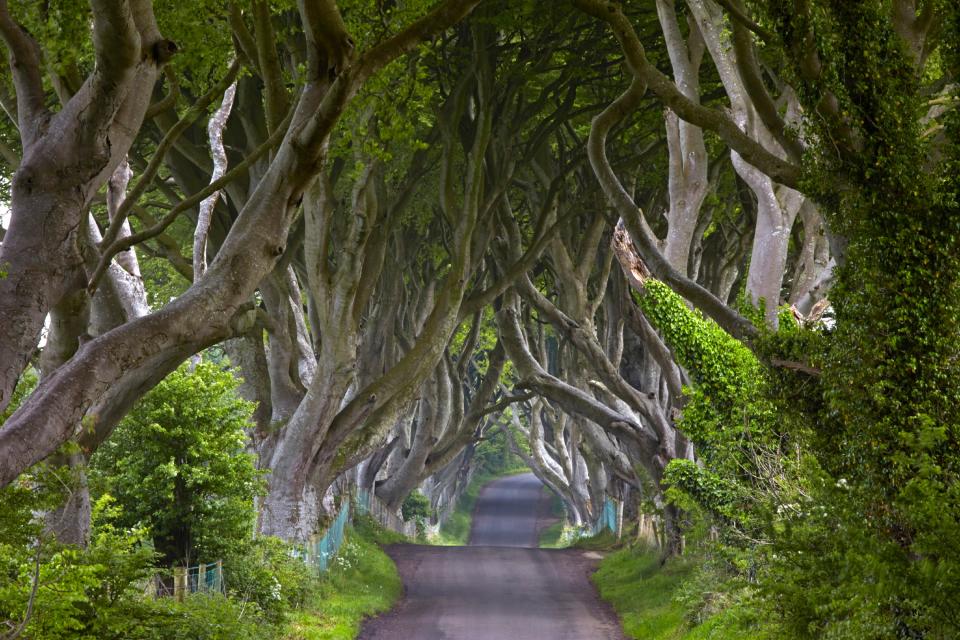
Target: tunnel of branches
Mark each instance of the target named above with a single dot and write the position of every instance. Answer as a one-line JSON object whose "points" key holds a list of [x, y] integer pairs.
{"points": [[662, 247]]}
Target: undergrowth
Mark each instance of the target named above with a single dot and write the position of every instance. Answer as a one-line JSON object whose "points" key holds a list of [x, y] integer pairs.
{"points": [[362, 581], [681, 599], [555, 536]]}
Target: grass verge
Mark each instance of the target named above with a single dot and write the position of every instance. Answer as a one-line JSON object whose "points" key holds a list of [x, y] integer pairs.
{"points": [[362, 581], [642, 592], [653, 601], [552, 537]]}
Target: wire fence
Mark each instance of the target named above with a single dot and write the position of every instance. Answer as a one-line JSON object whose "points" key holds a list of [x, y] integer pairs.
{"points": [[318, 553], [369, 504], [607, 519], [321, 550], [201, 578]]}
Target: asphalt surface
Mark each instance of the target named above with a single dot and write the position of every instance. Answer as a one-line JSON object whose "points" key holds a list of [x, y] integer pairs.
{"points": [[500, 587]]}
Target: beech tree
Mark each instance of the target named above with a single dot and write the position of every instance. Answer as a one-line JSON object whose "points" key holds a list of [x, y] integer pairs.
{"points": [[645, 228], [120, 364]]}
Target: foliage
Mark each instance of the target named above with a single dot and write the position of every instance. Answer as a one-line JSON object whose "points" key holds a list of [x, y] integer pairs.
{"points": [[177, 464], [493, 456], [416, 507], [652, 599], [92, 593], [729, 415], [25, 385], [551, 537], [263, 571], [870, 550], [202, 617], [97, 593], [362, 581]]}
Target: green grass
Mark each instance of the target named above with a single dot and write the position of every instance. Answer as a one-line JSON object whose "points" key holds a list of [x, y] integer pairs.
{"points": [[362, 581], [606, 540], [642, 592], [552, 537], [649, 600], [455, 530]]}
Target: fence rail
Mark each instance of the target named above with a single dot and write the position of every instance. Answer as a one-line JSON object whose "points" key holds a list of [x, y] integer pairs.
{"points": [[369, 504], [202, 578], [321, 550]]}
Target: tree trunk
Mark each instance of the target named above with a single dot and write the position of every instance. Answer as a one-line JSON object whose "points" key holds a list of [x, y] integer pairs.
{"points": [[70, 522]]}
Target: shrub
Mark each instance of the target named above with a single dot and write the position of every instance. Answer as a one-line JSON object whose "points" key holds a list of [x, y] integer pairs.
{"points": [[202, 617], [177, 464], [265, 573], [416, 505]]}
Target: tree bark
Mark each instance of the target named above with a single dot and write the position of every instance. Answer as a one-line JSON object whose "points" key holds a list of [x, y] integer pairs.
{"points": [[211, 308], [68, 156]]}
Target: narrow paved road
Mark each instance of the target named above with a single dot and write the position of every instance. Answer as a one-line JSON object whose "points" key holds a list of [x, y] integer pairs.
{"points": [[500, 587]]}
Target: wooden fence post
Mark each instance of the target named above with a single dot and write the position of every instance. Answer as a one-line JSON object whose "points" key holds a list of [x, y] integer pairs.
{"points": [[219, 576], [312, 559], [619, 519], [179, 583], [202, 577]]}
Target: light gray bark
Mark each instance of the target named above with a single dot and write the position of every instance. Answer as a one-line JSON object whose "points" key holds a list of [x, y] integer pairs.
{"points": [[205, 215], [777, 205], [687, 167], [814, 269], [120, 300], [68, 156], [572, 399], [213, 307]]}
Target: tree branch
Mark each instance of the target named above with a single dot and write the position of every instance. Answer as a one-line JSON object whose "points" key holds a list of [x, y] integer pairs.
{"points": [[752, 76], [27, 79], [738, 14], [639, 231], [18, 630], [440, 19], [753, 152], [116, 40], [796, 366], [193, 114], [218, 121], [123, 244], [268, 62], [329, 45], [506, 401], [169, 100]]}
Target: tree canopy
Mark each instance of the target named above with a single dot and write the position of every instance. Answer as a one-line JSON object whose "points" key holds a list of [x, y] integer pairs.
{"points": [[701, 256]]}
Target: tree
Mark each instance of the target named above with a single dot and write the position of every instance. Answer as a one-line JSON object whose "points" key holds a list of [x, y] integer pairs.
{"points": [[396, 245], [177, 465], [879, 158], [208, 312]]}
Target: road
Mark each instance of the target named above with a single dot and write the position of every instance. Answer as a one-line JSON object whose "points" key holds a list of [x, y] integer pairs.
{"points": [[500, 587]]}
